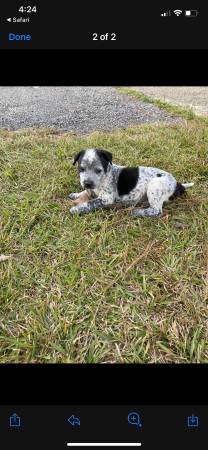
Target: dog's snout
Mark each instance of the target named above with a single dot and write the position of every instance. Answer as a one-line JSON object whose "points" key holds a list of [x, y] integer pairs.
{"points": [[88, 184]]}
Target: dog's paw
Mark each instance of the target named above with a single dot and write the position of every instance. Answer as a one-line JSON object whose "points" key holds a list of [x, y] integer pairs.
{"points": [[72, 196], [136, 213], [74, 210]]}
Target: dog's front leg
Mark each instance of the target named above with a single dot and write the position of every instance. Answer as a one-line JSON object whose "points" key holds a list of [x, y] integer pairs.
{"points": [[87, 207], [75, 195]]}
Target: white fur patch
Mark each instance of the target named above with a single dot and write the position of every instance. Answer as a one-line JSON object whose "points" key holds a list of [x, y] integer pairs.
{"points": [[89, 155]]}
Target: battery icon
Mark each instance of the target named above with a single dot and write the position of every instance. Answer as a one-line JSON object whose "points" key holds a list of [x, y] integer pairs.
{"points": [[191, 13]]}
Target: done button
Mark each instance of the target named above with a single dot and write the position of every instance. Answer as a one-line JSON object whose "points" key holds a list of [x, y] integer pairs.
{"points": [[19, 37]]}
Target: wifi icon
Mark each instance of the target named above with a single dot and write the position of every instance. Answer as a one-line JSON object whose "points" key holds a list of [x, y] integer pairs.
{"points": [[177, 12]]}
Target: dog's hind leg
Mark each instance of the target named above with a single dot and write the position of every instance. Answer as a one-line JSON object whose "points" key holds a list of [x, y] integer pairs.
{"points": [[147, 212], [159, 191]]}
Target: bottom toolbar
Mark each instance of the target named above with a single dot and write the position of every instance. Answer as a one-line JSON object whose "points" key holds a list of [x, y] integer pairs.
{"points": [[148, 427]]}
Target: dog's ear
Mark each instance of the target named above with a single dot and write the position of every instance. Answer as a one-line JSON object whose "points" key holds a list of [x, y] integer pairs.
{"points": [[107, 155], [78, 156]]}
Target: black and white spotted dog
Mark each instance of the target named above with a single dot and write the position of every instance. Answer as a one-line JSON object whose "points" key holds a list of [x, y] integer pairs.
{"points": [[109, 183]]}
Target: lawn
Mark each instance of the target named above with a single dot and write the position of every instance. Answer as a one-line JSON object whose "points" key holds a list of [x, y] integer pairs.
{"points": [[104, 287]]}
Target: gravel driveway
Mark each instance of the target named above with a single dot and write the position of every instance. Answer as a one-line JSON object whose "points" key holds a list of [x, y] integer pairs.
{"points": [[76, 109]]}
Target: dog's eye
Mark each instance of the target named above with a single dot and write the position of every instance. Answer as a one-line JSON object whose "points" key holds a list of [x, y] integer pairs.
{"points": [[98, 170], [81, 169]]}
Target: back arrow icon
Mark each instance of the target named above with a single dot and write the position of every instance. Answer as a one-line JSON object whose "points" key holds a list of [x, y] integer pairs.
{"points": [[74, 420], [9, 19]]}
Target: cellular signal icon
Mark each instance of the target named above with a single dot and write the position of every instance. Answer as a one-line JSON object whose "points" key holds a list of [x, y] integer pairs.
{"points": [[177, 12], [166, 14]]}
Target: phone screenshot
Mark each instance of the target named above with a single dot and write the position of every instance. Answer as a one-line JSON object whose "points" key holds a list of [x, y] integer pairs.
{"points": [[103, 225]]}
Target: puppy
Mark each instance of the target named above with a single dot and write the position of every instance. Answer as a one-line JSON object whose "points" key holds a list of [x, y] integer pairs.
{"points": [[108, 184]]}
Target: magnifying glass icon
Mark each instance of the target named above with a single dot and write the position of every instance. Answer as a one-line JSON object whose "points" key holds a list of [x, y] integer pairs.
{"points": [[134, 419]]}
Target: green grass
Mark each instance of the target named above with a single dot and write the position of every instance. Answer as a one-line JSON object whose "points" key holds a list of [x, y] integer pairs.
{"points": [[104, 287]]}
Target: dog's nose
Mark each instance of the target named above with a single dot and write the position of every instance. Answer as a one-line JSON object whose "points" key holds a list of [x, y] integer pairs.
{"points": [[88, 184]]}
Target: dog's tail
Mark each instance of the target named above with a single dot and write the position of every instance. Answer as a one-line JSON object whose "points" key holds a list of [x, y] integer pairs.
{"points": [[187, 185], [180, 189]]}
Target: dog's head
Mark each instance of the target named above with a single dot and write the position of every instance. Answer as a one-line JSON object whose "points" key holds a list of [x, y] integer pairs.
{"points": [[93, 165]]}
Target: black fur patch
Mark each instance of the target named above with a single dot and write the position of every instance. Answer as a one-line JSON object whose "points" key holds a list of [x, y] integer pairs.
{"points": [[127, 180], [179, 190], [78, 157], [105, 158]]}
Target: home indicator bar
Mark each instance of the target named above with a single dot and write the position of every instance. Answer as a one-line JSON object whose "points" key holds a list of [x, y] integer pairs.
{"points": [[104, 444]]}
